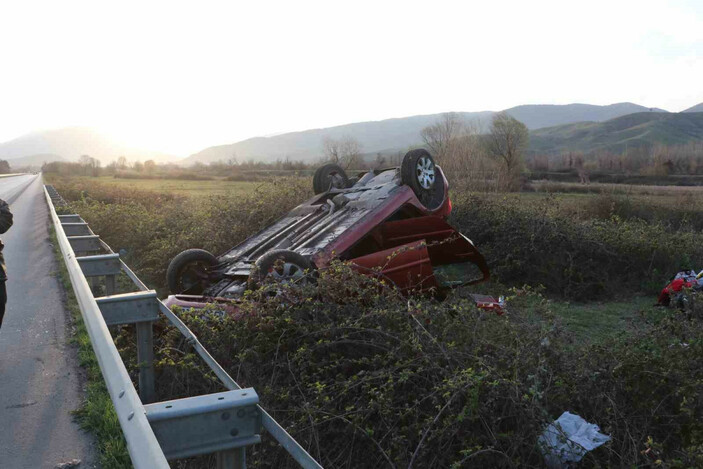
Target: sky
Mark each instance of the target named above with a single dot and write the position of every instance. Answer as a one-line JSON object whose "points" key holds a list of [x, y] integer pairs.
{"points": [[181, 76]]}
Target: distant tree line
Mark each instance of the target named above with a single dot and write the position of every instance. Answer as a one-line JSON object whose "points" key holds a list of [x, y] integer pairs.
{"points": [[499, 159], [5, 167], [652, 160], [345, 151]]}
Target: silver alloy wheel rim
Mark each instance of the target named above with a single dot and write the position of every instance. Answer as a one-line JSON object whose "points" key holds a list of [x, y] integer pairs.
{"points": [[425, 172], [290, 272]]}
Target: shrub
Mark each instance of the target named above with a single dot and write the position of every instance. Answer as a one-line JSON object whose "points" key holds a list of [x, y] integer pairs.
{"points": [[364, 377], [370, 379], [152, 227], [578, 259]]}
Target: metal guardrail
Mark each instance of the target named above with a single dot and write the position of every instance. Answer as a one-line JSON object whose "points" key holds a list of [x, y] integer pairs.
{"points": [[222, 423]]}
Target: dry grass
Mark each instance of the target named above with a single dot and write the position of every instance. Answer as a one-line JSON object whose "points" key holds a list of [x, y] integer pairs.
{"points": [[173, 186], [625, 189]]}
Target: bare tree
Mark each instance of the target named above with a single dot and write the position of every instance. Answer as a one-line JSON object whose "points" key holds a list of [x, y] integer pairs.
{"points": [[507, 142], [149, 166], [4, 167], [122, 162], [345, 151], [439, 136], [458, 149], [90, 165]]}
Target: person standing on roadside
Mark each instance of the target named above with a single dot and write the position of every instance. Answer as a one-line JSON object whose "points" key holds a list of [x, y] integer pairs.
{"points": [[5, 224]]}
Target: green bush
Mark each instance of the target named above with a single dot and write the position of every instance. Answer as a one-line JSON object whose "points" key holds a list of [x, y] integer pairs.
{"points": [[152, 227], [364, 377], [577, 259], [681, 213]]}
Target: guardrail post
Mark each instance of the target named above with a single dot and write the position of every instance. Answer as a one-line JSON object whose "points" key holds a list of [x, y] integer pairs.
{"points": [[104, 265], [145, 357], [94, 285], [110, 285], [140, 309], [232, 459]]}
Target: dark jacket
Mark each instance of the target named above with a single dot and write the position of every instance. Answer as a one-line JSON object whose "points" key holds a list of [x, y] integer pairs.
{"points": [[5, 224]]}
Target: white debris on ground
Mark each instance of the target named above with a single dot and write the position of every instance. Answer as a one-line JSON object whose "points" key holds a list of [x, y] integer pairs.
{"points": [[568, 439], [69, 464]]}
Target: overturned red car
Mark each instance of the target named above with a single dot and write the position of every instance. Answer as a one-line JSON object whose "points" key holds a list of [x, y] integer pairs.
{"points": [[389, 222]]}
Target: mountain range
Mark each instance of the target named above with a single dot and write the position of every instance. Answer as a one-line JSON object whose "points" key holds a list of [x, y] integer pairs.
{"points": [[553, 128], [398, 134], [615, 135], [68, 144], [696, 108]]}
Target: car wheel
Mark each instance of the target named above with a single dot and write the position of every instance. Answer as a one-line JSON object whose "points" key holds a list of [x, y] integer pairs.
{"points": [[327, 176], [418, 170], [279, 266], [189, 271]]}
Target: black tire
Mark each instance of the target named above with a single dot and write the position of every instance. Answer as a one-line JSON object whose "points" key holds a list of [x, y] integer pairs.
{"points": [[325, 177], [418, 170], [189, 271], [279, 265]]}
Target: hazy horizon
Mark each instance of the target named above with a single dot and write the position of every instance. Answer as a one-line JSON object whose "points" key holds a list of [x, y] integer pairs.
{"points": [[176, 79]]}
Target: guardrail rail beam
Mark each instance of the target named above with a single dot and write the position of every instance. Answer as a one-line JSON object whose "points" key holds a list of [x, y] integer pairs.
{"points": [[206, 424], [76, 229], [87, 243], [73, 218], [100, 265], [143, 447], [129, 308], [224, 423]]}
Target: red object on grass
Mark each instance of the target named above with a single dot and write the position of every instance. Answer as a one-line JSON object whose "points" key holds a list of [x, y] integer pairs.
{"points": [[674, 286]]}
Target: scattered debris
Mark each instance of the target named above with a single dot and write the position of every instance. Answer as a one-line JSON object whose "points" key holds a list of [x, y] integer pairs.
{"points": [[489, 303], [22, 405], [568, 439], [69, 464], [674, 293]]}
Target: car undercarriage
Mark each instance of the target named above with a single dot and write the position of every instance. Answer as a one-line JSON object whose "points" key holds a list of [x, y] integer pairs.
{"points": [[387, 222]]}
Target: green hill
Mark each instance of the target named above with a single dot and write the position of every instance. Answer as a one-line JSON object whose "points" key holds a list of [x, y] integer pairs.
{"points": [[632, 130], [696, 108], [392, 135]]}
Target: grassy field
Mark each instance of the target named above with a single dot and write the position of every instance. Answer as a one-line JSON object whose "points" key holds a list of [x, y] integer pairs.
{"points": [[180, 187], [625, 189], [673, 206], [344, 368], [599, 321]]}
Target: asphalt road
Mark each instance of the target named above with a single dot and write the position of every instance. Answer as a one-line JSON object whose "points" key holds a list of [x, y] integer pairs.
{"points": [[11, 187], [40, 381]]}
